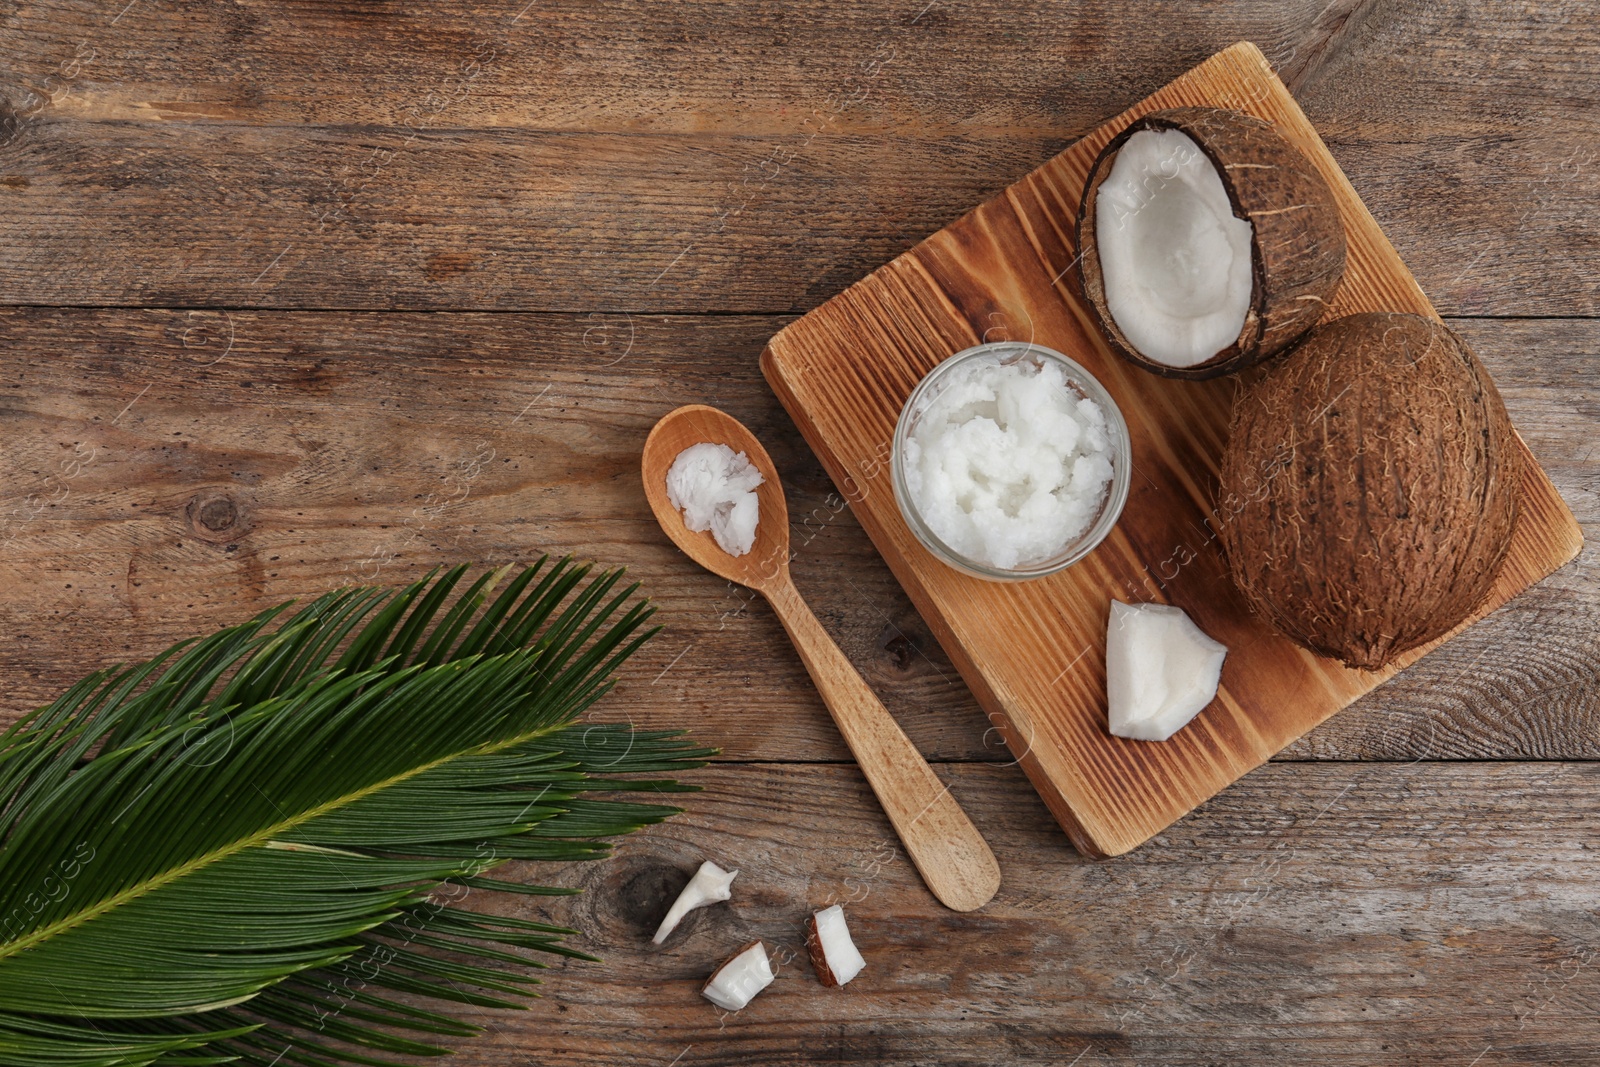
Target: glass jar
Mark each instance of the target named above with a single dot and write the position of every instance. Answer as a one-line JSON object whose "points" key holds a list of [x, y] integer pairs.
{"points": [[1006, 353]]}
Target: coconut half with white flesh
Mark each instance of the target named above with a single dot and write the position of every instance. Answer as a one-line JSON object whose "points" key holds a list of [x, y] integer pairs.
{"points": [[1207, 242]]}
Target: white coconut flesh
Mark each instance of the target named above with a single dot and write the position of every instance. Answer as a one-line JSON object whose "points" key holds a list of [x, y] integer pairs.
{"points": [[1174, 259], [1161, 670], [709, 885], [843, 958], [738, 980]]}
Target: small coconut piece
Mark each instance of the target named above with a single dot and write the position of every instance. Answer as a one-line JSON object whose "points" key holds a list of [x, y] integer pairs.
{"points": [[1370, 488], [709, 885], [834, 955], [1207, 242], [1161, 670], [740, 977]]}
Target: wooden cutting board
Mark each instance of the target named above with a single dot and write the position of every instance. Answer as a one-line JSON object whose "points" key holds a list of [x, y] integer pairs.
{"points": [[1034, 652]]}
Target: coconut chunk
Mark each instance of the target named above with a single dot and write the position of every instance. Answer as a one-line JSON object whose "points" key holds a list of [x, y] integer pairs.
{"points": [[833, 955], [1175, 259], [740, 977], [1161, 670], [709, 885]]}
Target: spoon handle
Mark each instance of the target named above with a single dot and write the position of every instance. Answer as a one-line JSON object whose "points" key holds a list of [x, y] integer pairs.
{"points": [[949, 853]]}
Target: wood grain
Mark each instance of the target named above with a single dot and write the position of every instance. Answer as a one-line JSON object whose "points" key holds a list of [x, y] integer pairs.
{"points": [[348, 438], [1033, 652], [1336, 914], [712, 157], [627, 155]]}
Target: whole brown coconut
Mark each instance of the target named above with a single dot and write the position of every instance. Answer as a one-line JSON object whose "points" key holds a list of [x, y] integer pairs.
{"points": [[1369, 488], [1297, 239]]}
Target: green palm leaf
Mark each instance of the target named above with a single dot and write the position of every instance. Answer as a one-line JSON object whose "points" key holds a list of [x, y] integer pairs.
{"points": [[253, 847]]}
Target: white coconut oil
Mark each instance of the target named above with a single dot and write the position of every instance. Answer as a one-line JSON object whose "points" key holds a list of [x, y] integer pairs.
{"points": [[715, 488], [1006, 460]]}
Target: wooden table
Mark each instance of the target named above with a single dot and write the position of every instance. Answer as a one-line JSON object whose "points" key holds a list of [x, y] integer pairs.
{"points": [[304, 293]]}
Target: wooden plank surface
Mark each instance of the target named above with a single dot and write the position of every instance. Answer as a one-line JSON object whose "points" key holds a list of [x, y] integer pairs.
{"points": [[1034, 652], [1342, 915], [627, 155], [628, 159], [357, 447]]}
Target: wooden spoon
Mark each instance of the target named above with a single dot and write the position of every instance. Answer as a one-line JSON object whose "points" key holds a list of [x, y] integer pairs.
{"points": [[949, 853]]}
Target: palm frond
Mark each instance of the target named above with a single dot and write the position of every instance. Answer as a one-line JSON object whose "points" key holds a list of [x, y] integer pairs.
{"points": [[246, 849]]}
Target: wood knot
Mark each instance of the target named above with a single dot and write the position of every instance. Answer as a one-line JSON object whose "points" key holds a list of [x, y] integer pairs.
{"points": [[626, 898], [642, 894], [216, 517], [901, 650]]}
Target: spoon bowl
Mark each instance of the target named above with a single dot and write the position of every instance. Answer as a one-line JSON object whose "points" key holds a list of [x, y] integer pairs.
{"points": [[768, 558], [947, 850]]}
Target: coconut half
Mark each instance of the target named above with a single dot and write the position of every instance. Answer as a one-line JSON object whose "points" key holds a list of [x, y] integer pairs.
{"points": [[1370, 488], [1207, 242]]}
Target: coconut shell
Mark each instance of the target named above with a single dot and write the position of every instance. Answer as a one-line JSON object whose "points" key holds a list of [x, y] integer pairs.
{"points": [[1369, 488], [819, 958], [1297, 238]]}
